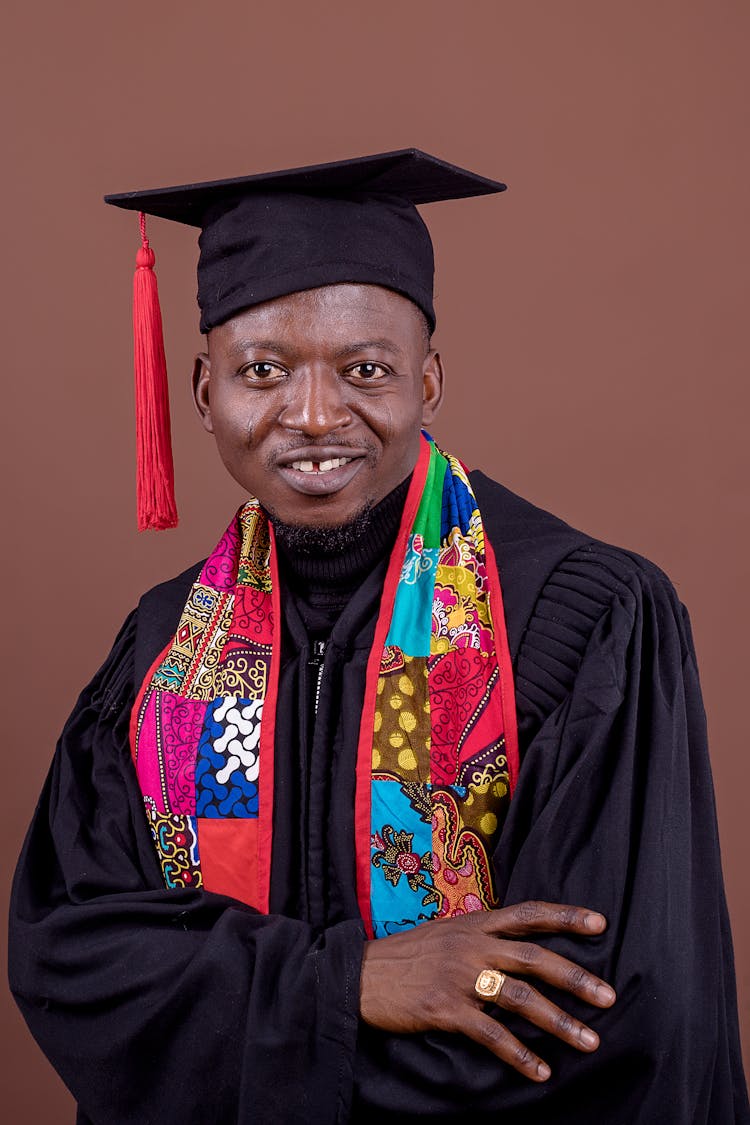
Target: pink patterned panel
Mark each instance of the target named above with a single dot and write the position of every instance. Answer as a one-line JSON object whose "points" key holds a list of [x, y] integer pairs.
{"points": [[465, 710], [147, 757], [220, 568], [253, 616]]}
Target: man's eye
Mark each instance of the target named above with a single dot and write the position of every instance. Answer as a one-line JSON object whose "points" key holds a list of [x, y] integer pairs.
{"points": [[368, 371], [261, 370]]}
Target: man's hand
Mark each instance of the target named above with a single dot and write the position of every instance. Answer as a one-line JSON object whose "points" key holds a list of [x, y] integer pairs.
{"points": [[423, 979]]}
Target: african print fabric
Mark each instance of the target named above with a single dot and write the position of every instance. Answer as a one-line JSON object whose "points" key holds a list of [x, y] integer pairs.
{"points": [[437, 756]]}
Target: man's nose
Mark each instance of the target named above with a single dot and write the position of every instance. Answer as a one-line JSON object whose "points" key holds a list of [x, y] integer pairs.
{"points": [[317, 403]]}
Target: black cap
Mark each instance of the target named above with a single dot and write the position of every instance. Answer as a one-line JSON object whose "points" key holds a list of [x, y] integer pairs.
{"points": [[275, 233]]}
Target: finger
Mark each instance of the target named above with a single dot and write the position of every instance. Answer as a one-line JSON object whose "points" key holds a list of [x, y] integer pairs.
{"points": [[542, 917], [520, 997], [495, 1037], [532, 960]]}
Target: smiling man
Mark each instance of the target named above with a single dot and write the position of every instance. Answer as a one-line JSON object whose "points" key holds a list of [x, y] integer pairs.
{"points": [[397, 806]]}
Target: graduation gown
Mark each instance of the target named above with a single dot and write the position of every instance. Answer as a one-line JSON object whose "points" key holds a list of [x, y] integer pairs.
{"points": [[189, 1007]]}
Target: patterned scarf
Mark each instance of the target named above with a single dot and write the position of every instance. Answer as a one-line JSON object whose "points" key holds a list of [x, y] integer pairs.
{"points": [[437, 756]]}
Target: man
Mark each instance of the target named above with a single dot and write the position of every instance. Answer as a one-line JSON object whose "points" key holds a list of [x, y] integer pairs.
{"points": [[348, 899]]}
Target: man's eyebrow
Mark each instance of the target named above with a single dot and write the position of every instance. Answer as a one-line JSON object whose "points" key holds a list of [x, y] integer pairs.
{"points": [[245, 345], [367, 345], [239, 347]]}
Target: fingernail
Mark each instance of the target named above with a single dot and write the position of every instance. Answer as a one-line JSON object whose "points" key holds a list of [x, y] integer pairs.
{"points": [[605, 994], [543, 1071], [595, 922], [589, 1037]]}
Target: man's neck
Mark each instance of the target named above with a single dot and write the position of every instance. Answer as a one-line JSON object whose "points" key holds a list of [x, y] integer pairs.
{"points": [[328, 566]]}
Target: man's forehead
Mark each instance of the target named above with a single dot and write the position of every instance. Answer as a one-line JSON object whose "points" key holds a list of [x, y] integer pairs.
{"points": [[333, 313]]}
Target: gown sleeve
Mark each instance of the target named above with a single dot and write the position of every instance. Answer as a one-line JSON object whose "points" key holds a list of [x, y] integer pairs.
{"points": [[614, 810], [159, 1005]]}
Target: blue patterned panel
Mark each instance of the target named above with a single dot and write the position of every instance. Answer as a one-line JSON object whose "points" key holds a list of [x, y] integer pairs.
{"points": [[227, 767], [402, 893], [412, 611], [457, 508]]}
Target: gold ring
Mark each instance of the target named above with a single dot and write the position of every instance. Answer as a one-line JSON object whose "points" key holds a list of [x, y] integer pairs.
{"points": [[489, 984]]}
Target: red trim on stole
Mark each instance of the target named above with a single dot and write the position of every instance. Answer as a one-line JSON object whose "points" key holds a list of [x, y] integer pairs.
{"points": [[140, 696], [363, 795], [229, 856], [268, 741], [502, 650]]}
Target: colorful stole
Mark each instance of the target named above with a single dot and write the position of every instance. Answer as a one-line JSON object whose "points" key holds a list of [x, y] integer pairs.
{"points": [[437, 756]]}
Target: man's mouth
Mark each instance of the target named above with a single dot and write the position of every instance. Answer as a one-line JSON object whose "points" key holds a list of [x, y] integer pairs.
{"points": [[323, 475], [320, 466]]}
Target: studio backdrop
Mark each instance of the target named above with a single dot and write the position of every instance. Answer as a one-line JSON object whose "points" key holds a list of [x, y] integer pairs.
{"points": [[592, 319]]}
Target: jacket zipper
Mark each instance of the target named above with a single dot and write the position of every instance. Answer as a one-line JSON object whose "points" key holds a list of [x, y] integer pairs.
{"points": [[316, 661]]}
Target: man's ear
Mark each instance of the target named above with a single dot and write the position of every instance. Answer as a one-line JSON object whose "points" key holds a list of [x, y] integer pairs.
{"points": [[201, 398], [433, 380]]}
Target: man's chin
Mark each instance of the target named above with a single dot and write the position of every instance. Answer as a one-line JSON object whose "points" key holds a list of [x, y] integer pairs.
{"points": [[319, 538]]}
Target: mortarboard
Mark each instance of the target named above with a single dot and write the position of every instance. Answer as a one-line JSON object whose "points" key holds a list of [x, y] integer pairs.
{"points": [[268, 235]]}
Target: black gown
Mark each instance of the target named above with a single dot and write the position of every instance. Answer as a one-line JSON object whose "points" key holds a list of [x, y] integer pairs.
{"points": [[188, 1007]]}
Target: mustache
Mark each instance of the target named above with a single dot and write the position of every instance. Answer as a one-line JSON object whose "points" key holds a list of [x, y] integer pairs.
{"points": [[366, 448]]}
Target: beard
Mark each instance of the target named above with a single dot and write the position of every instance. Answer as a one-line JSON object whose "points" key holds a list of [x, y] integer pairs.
{"points": [[299, 539]]}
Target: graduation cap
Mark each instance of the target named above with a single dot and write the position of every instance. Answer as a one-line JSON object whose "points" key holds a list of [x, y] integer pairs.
{"points": [[268, 235]]}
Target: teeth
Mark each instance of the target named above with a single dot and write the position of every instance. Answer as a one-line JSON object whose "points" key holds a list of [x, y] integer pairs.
{"points": [[320, 466]]}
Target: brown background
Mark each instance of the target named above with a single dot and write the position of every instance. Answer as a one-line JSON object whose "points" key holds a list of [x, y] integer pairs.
{"points": [[592, 319]]}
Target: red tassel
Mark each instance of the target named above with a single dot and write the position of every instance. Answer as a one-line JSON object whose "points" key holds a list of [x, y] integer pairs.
{"points": [[155, 480]]}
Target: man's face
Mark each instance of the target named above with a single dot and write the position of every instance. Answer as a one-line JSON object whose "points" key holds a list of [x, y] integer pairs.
{"points": [[316, 399]]}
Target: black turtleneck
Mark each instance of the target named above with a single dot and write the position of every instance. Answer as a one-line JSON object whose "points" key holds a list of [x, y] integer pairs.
{"points": [[322, 583]]}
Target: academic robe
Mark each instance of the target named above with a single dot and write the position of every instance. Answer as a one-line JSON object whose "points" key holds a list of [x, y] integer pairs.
{"points": [[189, 1007]]}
